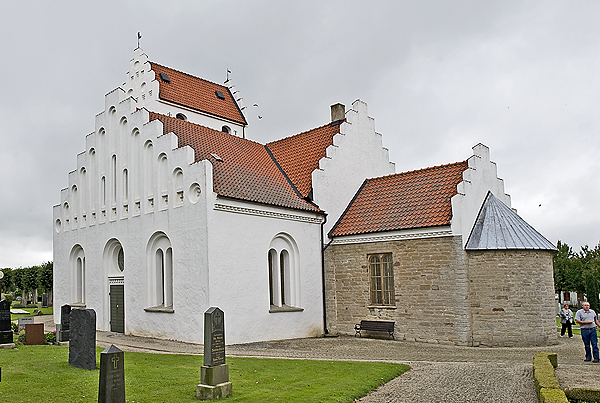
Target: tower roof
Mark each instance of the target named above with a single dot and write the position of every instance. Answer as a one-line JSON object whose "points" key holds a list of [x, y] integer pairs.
{"points": [[499, 227]]}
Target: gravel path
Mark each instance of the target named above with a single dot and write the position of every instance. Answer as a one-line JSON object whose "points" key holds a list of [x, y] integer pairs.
{"points": [[458, 382]]}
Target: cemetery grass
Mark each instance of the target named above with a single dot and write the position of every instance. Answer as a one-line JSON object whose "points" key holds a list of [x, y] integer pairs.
{"points": [[42, 374], [45, 311]]}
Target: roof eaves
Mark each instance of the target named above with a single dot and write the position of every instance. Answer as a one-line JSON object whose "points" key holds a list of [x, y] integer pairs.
{"points": [[205, 112], [237, 106], [315, 210]]}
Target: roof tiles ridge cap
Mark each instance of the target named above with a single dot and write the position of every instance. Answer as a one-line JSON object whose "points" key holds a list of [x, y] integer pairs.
{"points": [[416, 170], [307, 131], [183, 72]]}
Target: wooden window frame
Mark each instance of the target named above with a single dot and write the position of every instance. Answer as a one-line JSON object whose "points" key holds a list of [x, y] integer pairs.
{"points": [[381, 279]]}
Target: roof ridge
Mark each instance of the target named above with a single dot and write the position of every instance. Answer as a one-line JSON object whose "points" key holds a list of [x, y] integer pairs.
{"points": [[337, 122], [418, 170], [205, 127], [187, 74]]}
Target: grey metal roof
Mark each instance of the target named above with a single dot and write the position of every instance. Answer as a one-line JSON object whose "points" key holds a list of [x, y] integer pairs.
{"points": [[499, 227]]}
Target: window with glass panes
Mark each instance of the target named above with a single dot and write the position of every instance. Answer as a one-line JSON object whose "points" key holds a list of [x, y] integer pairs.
{"points": [[381, 273]]}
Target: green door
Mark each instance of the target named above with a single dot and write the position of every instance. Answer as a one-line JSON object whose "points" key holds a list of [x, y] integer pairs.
{"points": [[117, 309]]}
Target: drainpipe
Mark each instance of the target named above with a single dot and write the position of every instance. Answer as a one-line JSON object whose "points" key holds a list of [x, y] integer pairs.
{"points": [[326, 331]]}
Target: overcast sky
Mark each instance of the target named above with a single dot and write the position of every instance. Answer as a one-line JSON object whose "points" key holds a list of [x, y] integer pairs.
{"points": [[438, 77]]}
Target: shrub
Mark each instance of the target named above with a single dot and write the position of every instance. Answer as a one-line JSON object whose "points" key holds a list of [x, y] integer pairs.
{"points": [[14, 327], [50, 337], [8, 297], [583, 395], [552, 396], [21, 337], [31, 306], [18, 305]]}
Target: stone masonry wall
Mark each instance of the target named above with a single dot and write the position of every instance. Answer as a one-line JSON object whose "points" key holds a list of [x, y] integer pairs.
{"points": [[512, 298], [430, 282], [446, 295]]}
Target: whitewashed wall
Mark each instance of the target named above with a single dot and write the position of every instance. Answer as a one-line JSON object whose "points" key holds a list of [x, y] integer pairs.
{"points": [[356, 154], [478, 179], [219, 246]]}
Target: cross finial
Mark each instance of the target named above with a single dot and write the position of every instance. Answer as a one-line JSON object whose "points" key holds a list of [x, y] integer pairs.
{"points": [[139, 36]]}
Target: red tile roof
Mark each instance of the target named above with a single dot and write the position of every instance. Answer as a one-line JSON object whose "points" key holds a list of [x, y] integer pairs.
{"points": [[299, 155], [197, 93], [414, 199], [247, 171]]}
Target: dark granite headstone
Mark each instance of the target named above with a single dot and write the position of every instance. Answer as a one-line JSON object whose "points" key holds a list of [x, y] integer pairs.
{"points": [[6, 334], [214, 373], [214, 337], [44, 300], [82, 338], [34, 334], [112, 376], [63, 334]]}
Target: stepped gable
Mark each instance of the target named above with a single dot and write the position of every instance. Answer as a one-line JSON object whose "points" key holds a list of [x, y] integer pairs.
{"points": [[500, 227], [299, 155], [414, 199], [247, 171], [197, 93]]}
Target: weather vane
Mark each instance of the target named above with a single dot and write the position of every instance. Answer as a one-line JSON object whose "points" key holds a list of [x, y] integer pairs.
{"points": [[139, 37]]}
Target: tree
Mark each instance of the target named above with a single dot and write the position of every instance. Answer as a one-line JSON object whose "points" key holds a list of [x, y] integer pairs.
{"points": [[568, 275], [7, 282], [18, 281], [45, 279], [30, 279]]}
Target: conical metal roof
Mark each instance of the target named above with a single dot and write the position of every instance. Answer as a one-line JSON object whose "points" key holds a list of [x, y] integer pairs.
{"points": [[499, 227]]}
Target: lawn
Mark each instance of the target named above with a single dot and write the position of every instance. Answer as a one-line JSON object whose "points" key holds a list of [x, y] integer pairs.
{"points": [[42, 374], [45, 311]]}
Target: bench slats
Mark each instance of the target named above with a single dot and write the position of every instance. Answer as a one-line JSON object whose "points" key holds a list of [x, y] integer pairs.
{"points": [[375, 326]]}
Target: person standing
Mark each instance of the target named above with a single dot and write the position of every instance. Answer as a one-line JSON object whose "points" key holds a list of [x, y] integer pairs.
{"points": [[588, 320], [566, 320]]}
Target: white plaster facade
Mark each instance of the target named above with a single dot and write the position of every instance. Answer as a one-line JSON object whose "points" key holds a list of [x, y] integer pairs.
{"points": [[136, 197], [357, 153], [481, 177]]}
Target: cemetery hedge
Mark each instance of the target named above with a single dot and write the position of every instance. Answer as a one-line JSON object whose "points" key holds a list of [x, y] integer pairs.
{"points": [[42, 374]]}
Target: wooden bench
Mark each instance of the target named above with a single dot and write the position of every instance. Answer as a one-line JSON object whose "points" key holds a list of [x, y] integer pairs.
{"points": [[375, 326]]}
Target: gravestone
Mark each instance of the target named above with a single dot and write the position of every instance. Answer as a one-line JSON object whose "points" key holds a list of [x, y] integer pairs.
{"points": [[6, 334], [82, 339], [214, 374], [44, 300], [62, 334], [34, 334], [112, 376], [25, 321]]}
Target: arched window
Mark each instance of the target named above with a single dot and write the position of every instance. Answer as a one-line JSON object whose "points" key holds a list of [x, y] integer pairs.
{"points": [[178, 186], [226, 129], [181, 116], [284, 273], [160, 273], [77, 264]]}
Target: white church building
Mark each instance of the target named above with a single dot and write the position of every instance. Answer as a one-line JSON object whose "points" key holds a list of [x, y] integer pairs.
{"points": [[171, 210]]}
